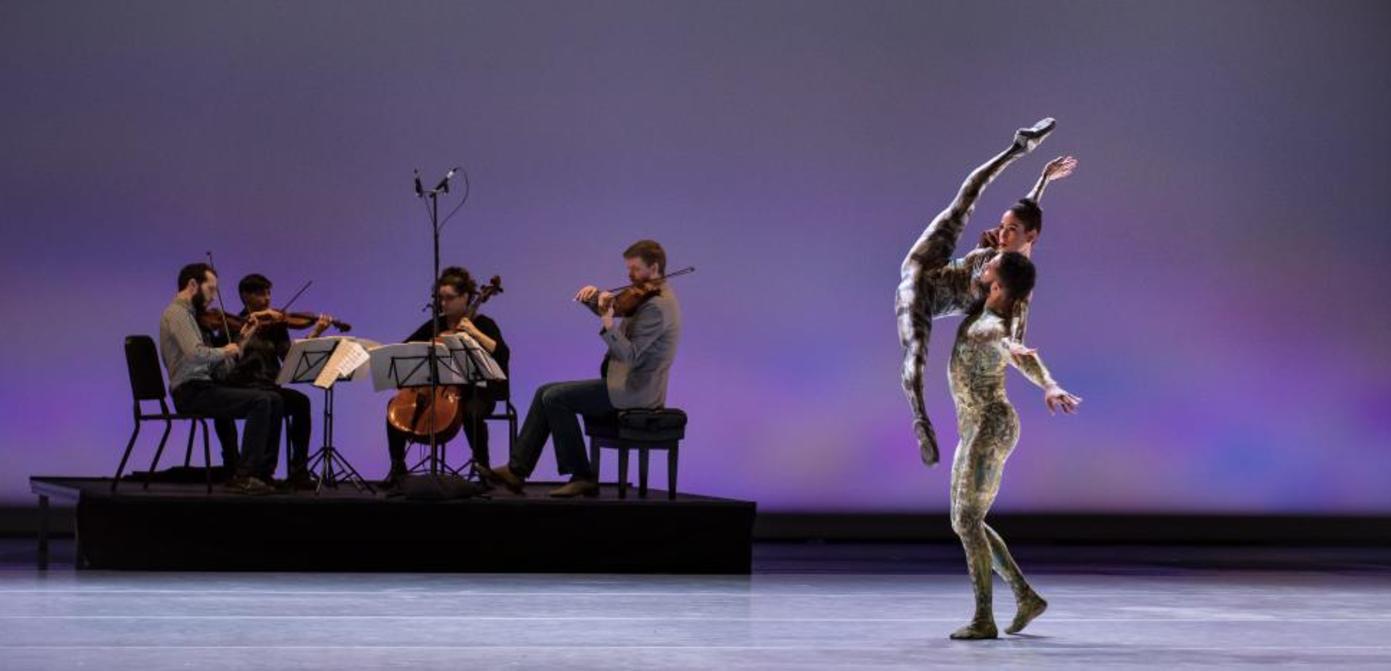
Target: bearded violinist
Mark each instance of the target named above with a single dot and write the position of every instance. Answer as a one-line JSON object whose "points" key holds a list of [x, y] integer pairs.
{"points": [[634, 372], [197, 385]]}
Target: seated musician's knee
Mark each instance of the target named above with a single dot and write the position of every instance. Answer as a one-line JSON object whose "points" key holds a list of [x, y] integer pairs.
{"points": [[550, 395], [540, 395], [297, 402]]}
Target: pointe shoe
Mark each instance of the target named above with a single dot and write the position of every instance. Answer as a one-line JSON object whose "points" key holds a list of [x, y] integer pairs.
{"points": [[927, 441], [575, 488], [1029, 608], [505, 477], [1030, 138], [976, 630]]}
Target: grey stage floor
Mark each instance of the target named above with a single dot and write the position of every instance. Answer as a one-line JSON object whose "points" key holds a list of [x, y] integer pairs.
{"points": [[806, 607]]}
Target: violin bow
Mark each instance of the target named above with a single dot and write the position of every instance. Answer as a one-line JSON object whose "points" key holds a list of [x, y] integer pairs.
{"points": [[296, 296], [684, 271], [226, 330]]}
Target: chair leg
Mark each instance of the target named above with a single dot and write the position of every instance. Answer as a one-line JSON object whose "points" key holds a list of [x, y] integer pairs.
{"points": [[288, 450], [594, 453], [642, 472], [188, 451], [125, 456], [622, 472], [671, 473], [207, 457], [154, 463], [511, 427]]}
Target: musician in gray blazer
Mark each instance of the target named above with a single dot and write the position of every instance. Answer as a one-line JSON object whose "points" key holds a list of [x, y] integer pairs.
{"points": [[634, 373]]}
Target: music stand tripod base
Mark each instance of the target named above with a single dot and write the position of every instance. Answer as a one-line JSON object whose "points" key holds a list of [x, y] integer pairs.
{"points": [[333, 467]]}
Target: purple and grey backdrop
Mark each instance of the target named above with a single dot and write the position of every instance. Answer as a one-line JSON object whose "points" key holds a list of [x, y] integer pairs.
{"points": [[1210, 275]]}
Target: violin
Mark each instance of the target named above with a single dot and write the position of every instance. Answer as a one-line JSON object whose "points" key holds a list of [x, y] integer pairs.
{"points": [[627, 299], [212, 319], [415, 412]]}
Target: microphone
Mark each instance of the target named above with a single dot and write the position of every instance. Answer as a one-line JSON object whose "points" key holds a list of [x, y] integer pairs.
{"points": [[419, 190], [443, 186]]}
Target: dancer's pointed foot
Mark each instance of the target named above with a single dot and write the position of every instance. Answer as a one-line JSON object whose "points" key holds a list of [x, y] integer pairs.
{"points": [[1030, 607], [927, 441], [976, 630], [1030, 138]]}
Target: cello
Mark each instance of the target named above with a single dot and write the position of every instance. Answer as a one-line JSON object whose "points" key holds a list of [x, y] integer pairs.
{"points": [[416, 413]]}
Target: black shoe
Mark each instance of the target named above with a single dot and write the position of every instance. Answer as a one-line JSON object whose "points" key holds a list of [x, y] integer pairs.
{"points": [[395, 476], [301, 480], [505, 477], [249, 485]]}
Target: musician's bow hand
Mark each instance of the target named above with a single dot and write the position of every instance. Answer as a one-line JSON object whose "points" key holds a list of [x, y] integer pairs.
{"points": [[248, 329]]}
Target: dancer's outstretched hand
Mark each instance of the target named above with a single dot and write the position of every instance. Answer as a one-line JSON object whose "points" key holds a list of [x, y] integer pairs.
{"points": [[1059, 168], [1059, 399]]}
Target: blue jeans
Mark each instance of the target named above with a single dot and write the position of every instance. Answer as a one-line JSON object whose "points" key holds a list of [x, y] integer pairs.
{"points": [[553, 414]]}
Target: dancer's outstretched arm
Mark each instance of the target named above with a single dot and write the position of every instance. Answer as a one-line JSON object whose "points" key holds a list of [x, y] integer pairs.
{"points": [[1028, 362], [1056, 169]]}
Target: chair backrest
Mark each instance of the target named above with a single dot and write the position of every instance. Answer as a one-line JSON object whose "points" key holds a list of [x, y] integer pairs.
{"points": [[142, 362]]}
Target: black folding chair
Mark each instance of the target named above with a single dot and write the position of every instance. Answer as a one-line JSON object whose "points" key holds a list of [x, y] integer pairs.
{"points": [[147, 384], [509, 413]]}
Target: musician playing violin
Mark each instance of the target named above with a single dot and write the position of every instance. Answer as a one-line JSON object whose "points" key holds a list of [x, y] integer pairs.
{"points": [[457, 292], [197, 382], [259, 366], [640, 351]]}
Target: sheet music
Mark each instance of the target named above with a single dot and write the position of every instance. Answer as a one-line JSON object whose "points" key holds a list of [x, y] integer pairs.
{"points": [[479, 365], [347, 359]]}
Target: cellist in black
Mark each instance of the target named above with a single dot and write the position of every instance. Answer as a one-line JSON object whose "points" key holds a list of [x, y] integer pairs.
{"points": [[457, 291]]}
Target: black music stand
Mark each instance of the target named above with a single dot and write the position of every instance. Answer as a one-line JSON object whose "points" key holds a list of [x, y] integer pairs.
{"points": [[313, 355], [419, 364]]}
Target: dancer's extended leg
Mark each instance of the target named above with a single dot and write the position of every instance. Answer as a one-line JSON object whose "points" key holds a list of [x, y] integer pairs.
{"points": [[919, 300]]}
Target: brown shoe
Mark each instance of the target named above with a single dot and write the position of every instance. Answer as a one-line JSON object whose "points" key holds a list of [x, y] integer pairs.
{"points": [[505, 477], [576, 488]]}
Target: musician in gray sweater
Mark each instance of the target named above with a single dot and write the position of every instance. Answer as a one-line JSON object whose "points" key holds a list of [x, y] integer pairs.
{"points": [[641, 348]]}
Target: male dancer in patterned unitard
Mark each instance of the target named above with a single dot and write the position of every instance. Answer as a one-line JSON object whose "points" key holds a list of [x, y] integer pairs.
{"points": [[989, 430]]}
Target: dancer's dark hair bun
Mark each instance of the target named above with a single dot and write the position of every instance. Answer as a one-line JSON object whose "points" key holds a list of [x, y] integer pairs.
{"points": [[1028, 211]]}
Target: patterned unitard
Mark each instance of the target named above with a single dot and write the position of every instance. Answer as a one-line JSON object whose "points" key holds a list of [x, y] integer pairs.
{"points": [[933, 285], [989, 430]]}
